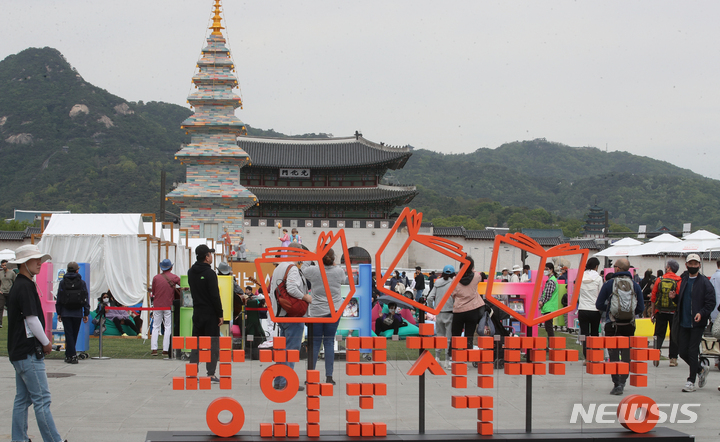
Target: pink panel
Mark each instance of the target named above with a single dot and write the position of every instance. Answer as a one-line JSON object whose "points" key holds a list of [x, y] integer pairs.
{"points": [[44, 281]]}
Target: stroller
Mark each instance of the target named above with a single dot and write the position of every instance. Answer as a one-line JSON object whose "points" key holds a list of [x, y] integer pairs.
{"points": [[709, 347], [490, 324]]}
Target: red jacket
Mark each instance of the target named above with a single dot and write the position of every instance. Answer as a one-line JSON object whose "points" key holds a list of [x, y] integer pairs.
{"points": [[653, 294]]}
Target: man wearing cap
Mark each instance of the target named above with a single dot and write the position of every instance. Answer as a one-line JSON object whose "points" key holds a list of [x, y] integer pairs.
{"points": [[443, 321], [72, 306], [207, 308], [695, 301], [7, 278], [163, 294], [27, 346], [515, 277]]}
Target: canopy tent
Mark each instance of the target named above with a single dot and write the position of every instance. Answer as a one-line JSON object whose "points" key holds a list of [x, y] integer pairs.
{"points": [[623, 247], [696, 242], [655, 245], [7, 254], [109, 243]]}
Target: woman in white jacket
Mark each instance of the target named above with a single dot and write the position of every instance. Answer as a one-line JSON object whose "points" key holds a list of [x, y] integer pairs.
{"points": [[443, 321], [588, 315]]}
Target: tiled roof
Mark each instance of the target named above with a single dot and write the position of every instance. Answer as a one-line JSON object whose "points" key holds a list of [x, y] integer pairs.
{"points": [[449, 231], [480, 234], [18, 235], [400, 195], [548, 242], [585, 244], [321, 153]]}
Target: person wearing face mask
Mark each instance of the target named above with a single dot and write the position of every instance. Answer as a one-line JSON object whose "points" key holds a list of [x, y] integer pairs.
{"points": [[27, 346], [392, 320], [550, 298], [119, 317], [695, 299]]}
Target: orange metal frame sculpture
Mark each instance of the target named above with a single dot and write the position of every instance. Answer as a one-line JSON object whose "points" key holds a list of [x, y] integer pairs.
{"points": [[285, 254], [446, 247], [526, 243]]}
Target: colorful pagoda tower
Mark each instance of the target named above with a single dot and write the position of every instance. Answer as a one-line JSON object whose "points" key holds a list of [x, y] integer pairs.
{"points": [[212, 198]]}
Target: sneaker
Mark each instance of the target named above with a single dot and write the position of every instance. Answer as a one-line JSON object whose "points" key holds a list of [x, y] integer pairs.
{"points": [[689, 387], [617, 390], [329, 380], [166, 353], [68, 360], [657, 363], [301, 388], [214, 379], [153, 353], [702, 376], [74, 360], [673, 362], [124, 335]]}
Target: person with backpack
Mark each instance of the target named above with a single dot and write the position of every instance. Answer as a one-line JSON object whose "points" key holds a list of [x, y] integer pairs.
{"points": [[621, 298], [549, 300], [288, 278], [695, 299], [72, 306], [663, 309]]}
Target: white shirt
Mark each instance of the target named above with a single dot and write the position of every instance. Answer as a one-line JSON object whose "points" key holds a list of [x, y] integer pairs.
{"points": [[514, 278], [525, 277], [589, 290]]}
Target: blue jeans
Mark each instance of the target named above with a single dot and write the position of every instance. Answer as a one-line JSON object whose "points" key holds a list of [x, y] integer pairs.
{"points": [[31, 387], [325, 333], [293, 338], [418, 294]]}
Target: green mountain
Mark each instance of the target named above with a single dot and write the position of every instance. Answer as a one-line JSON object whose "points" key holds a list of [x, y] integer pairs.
{"points": [[563, 180], [68, 145]]}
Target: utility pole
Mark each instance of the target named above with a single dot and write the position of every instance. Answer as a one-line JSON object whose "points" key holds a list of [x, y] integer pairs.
{"points": [[162, 195]]}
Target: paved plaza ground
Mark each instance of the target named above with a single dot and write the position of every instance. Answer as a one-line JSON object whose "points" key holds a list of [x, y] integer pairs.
{"points": [[122, 399]]}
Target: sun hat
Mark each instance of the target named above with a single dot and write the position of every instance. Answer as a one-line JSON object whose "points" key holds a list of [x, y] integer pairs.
{"points": [[448, 270], [224, 269], [25, 253], [693, 257], [503, 269], [165, 264], [517, 268]]}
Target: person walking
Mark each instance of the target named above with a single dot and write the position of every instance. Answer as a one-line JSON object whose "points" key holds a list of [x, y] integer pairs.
{"points": [[284, 239], [207, 307], [163, 295], [550, 300], [467, 303], [622, 299], [588, 315], [297, 288], [320, 308], [27, 346], [419, 283], [695, 299], [7, 278], [443, 320], [663, 308], [72, 306]]}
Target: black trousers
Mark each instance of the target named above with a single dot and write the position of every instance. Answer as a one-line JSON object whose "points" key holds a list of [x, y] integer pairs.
{"points": [[72, 329], [589, 325], [207, 325], [128, 323], [689, 345], [619, 354], [467, 321], [549, 328], [662, 322]]}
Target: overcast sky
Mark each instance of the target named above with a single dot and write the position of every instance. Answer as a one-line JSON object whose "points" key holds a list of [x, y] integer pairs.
{"points": [[637, 76]]}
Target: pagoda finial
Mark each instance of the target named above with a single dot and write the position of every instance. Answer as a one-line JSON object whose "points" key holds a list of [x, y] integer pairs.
{"points": [[217, 20]]}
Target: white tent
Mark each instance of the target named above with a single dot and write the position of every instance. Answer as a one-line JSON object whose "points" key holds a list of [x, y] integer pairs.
{"points": [[623, 247], [109, 243], [7, 254], [696, 242], [655, 245]]}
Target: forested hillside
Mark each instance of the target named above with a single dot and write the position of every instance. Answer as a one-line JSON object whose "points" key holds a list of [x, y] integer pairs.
{"points": [[69, 145]]}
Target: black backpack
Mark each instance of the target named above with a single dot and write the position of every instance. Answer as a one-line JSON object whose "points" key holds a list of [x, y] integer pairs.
{"points": [[73, 295]]}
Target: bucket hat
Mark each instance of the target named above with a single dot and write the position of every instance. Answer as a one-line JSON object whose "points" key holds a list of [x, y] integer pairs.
{"points": [[25, 253], [165, 264], [224, 269]]}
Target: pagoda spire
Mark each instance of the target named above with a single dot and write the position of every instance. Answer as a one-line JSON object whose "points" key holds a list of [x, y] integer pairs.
{"points": [[212, 200], [217, 19]]}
